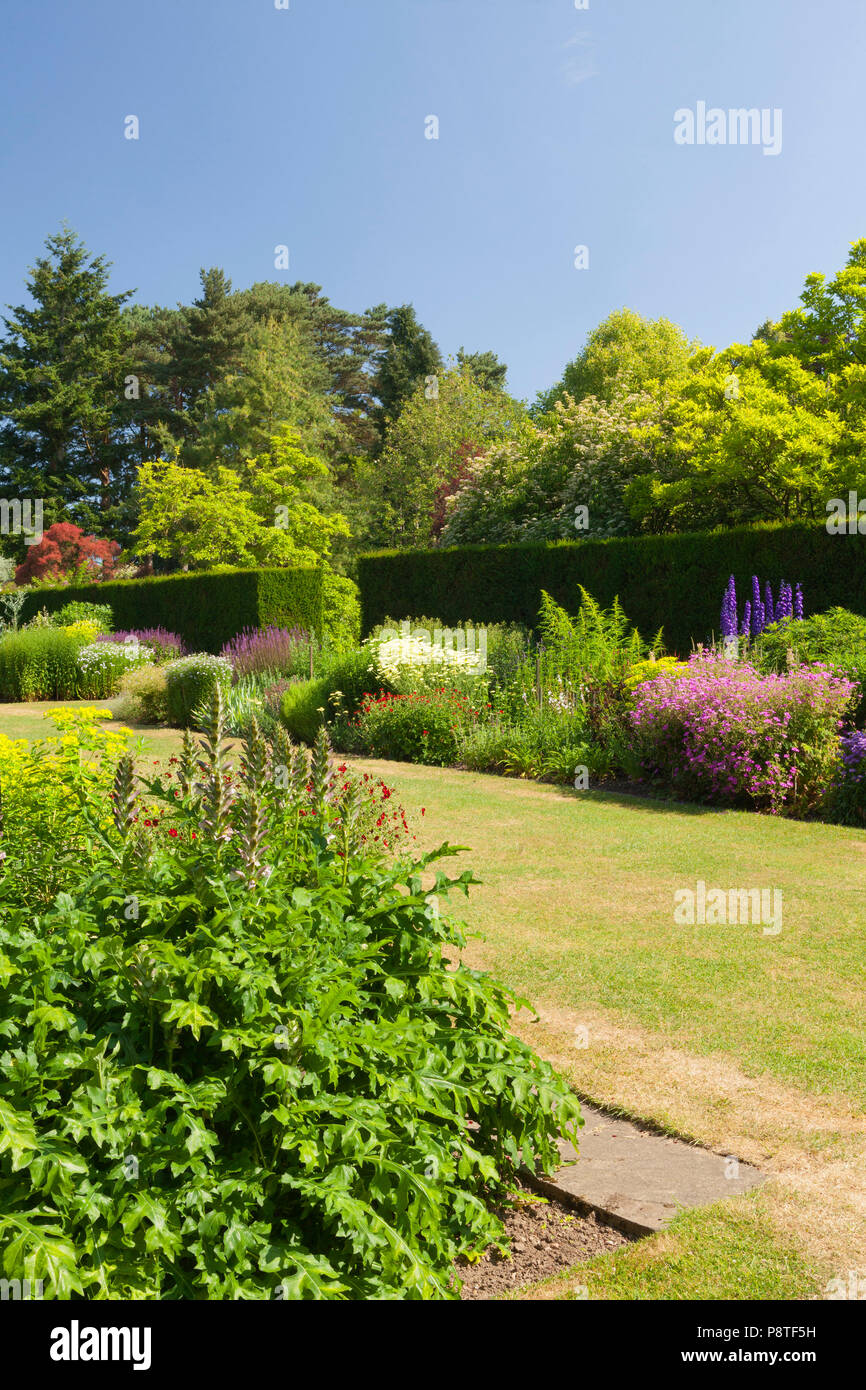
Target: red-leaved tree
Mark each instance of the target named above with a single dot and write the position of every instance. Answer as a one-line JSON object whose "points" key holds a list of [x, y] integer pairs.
{"points": [[465, 454], [65, 552]]}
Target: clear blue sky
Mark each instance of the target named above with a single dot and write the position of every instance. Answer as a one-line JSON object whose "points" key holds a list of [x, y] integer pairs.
{"points": [[261, 126]]}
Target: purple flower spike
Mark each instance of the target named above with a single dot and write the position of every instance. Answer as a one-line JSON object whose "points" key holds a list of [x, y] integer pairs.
{"points": [[798, 603], [757, 607], [728, 621], [746, 625]]}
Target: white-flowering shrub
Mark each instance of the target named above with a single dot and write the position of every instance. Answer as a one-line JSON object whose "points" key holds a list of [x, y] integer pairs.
{"points": [[103, 664], [395, 654]]}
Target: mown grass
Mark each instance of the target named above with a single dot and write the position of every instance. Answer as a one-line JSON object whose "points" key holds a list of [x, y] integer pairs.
{"points": [[728, 1251], [578, 907]]}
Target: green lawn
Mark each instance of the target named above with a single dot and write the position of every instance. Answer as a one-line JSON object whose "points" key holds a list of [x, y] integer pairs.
{"points": [[751, 1044], [578, 906]]}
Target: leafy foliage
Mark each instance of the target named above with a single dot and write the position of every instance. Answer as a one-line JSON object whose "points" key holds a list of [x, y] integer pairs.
{"points": [[40, 663], [64, 553], [190, 681], [238, 1062]]}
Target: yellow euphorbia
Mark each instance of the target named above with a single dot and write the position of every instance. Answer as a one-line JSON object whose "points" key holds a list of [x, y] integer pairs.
{"points": [[47, 785]]}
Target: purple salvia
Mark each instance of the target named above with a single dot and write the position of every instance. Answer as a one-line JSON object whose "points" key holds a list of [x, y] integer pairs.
{"points": [[255, 651], [746, 626]]}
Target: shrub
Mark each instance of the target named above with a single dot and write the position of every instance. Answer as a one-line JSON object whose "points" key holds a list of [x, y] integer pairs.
{"points": [[304, 706], [333, 696], [320, 1105], [145, 694], [848, 803], [65, 553], [86, 630], [165, 646], [98, 614], [728, 735], [836, 638], [653, 667], [103, 664], [417, 728], [190, 680], [341, 611], [505, 645], [413, 664], [275, 651], [43, 787], [39, 664], [206, 609]]}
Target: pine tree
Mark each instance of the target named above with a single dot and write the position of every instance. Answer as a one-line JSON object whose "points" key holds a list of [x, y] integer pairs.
{"points": [[485, 367], [408, 358], [62, 368], [206, 345]]}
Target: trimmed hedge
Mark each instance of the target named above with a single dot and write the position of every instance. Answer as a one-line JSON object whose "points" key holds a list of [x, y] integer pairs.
{"points": [[206, 610], [675, 582]]}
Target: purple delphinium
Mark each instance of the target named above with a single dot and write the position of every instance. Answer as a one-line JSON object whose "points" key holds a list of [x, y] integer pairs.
{"points": [[167, 645], [798, 603], [256, 651], [760, 612], [729, 610], [757, 607]]}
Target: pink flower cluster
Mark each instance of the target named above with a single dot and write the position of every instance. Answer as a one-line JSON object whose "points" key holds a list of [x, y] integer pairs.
{"points": [[725, 733]]}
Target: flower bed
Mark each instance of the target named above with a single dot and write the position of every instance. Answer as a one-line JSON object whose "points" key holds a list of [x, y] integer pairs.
{"points": [[726, 734]]}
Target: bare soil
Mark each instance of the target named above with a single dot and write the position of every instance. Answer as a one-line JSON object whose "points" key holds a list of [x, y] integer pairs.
{"points": [[545, 1238]]}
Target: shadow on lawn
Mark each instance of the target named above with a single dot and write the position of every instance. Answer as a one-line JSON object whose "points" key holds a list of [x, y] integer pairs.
{"points": [[641, 800]]}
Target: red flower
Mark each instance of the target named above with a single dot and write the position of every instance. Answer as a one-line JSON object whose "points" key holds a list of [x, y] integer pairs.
{"points": [[173, 834]]}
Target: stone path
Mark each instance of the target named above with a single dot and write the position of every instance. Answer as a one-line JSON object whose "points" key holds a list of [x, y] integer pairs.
{"points": [[638, 1180]]}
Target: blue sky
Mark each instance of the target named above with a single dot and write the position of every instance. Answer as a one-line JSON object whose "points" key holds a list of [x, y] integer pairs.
{"points": [[306, 127]]}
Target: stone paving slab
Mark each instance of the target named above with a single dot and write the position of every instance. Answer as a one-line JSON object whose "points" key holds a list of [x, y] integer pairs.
{"points": [[638, 1180]]}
